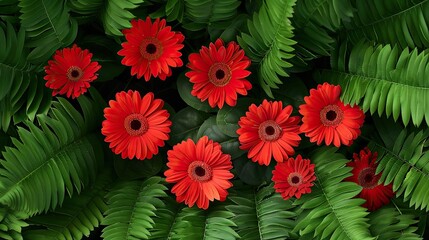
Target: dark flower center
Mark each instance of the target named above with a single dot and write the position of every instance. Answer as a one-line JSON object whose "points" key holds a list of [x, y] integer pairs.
{"points": [[367, 178], [200, 171], [294, 179], [74, 73], [136, 124], [151, 48], [220, 74], [331, 115], [269, 131]]}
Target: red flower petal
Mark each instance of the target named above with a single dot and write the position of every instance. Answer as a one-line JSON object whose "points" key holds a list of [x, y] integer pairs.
{"points": [[200, 171], [135, 126]]}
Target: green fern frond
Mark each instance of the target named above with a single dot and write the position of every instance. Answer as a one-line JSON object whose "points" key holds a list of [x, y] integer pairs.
{"points": [[401, 22], [175, 10], [330, 209], [11, 223], [390, 223], [21, 96], [261, 213], [406, 165], [131, 209], [77, 216], [86, 7], [8, 7], [169, 222], [315, 22], [215, 12], [215, 223], [61, 155], [116, 15], [48, 26], [383, 79], [269, 42]]}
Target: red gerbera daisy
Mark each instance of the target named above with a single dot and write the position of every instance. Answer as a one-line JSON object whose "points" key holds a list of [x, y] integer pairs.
{"points": [[268, 130], [293, 177], [135, 126], [152, 48], [218, 73], [71, 71], [364, 166], [201, 172], [326, 118]]}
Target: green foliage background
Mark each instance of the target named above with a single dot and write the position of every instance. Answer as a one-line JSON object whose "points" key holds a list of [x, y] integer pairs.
{"points": [[59, 180]]}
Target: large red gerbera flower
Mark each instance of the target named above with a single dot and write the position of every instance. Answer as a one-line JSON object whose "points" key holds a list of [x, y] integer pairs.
{"points": [[326, 118], [364, 166], [293, 177], [218, 73], [268, 130], [71, 71], [135, 126], [152, 48], [201, 172]]}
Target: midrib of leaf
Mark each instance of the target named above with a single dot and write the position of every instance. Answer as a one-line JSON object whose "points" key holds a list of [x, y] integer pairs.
{"points": [[257, 213], [14, 68], [403, 160], [170, 231], [389, 17], [375, 79], [142, 186], [307, 18], [279, 25], [331, 206], [74, 216], [50, 21], [205, 226], [51, 159]]}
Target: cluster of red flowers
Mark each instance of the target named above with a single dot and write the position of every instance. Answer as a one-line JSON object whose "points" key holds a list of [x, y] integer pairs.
{"points": [[135, 126]]}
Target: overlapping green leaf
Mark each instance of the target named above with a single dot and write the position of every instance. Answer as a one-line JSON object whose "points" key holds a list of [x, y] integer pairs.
{"points": [[48, 26], [215, 223], [261, 214], [116, 16], [22, 94], [77, 216], [269, 42], [383, 79], [11, 223], [229, 145], [214, 13], [330, 211], [132, 206], [406, 165], [401, 22], [316, 22], [62, 155], [390, 223], [186, 124]]}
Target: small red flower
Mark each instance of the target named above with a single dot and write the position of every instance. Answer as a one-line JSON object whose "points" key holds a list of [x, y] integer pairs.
{"points": [[135, 126], [326, 118], [268, 130], [218, 73], [151, 49], [71, 71], [293, 177], [201, 172], [364, 166]]}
